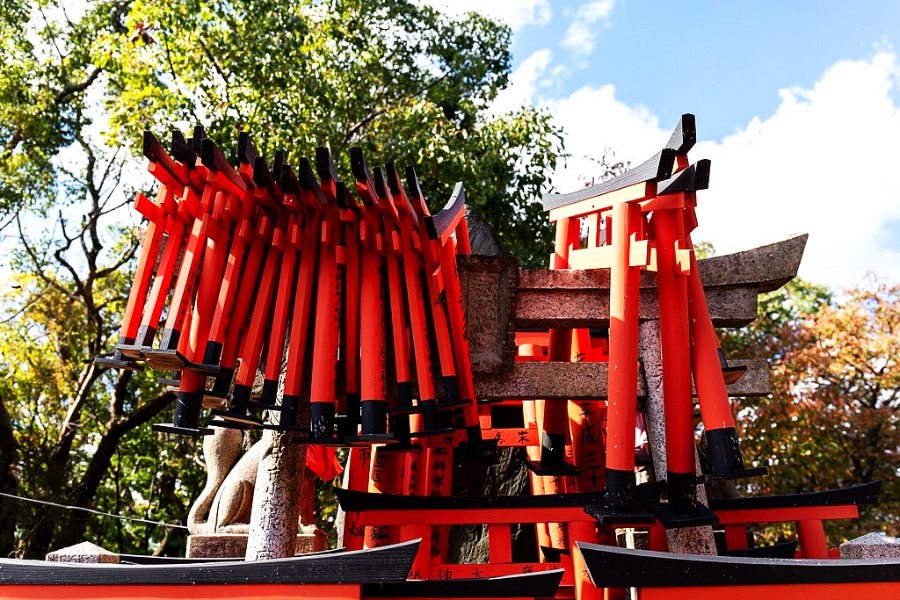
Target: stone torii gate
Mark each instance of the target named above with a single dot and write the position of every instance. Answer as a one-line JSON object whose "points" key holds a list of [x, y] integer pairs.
{"points": [[500, 298]]}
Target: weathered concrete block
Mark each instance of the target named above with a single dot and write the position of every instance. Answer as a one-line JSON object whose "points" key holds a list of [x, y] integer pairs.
{"points": [[85, 552], [871, 545]]}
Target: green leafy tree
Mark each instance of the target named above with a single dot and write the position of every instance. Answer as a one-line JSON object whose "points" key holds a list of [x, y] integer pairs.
{"points": [[398, 79], [402, 81]]}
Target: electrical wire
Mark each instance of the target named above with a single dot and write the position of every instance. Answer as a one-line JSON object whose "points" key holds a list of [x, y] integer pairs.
{"points": [[93, 511]]}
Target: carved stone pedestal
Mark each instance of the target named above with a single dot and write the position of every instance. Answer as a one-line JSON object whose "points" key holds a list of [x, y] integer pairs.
{"points": [[234, 545]]}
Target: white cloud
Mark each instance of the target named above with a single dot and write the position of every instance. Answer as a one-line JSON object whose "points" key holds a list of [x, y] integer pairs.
{"points": [[825, 163], [588, 20], [515, 13], [596, 121], [524, 82]]}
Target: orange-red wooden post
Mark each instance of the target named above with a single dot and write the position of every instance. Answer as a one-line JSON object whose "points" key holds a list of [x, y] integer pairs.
{"points": [[413, 208], [161, 216], [811, 535], [242, 313], [350, 343], [623, 361], [675, 346], [252, 232], [347, 408], [542, 530], [156, 214], [416, 298], [452, 238], [379, 269], [416, 484], [302, 188], [295, 233], [715, 409], [323, 396], [251, 345], [188, 210], [386, 476], [356, 477]]}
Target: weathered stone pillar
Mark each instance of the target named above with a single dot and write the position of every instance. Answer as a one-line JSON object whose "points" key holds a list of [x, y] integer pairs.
{"points": [[688, 540], [276, 498]]}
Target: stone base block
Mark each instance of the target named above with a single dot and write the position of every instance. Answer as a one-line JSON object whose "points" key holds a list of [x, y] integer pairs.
{"points": [[85, 552], [234, 545], [871, 545]]}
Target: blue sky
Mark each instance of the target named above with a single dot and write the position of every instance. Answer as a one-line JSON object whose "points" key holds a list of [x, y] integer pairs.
{"points": [[797, 105], [721, 60]]}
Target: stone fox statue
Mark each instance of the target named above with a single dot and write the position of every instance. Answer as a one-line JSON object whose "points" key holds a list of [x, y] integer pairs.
{"points": [[224, 504]]}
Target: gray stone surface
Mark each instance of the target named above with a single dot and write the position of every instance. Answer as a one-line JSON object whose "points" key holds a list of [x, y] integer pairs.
{"points": [[488, 291], [587, 307], [276, 498], [689, 540], [223, 505], [767, 267], [506, 477], [872, 545], [482, 238], [234, 545], [85, 552], [586, 381]]}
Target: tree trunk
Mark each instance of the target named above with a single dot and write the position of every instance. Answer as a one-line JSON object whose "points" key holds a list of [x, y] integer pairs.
{"points": [[9, 483], [53, 532]]}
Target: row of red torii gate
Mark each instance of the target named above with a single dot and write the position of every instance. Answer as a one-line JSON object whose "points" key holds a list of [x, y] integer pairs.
{"points": [[348, 299]]}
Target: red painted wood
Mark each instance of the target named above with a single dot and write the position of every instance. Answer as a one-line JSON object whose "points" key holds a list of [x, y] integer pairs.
{"points": [[813, 543], [284, 293], [499, 543], [675, 342], [143, 274], [736, 537], [178, 592], [247, 294], [302, 308], [328, 317], [356, 477], [386, 476], [351, 326], [475, 516], [251, 345], [783, 515], [712, 394], [470, 571], [831, 591], [623, 330]]}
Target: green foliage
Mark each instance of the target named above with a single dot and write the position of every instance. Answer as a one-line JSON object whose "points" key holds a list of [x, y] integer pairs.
{"points": [[832, 418], [400, 80], [43, 79]]}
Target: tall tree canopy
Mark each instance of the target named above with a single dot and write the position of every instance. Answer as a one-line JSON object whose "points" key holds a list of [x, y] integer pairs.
{"points": [[401, 80]]}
